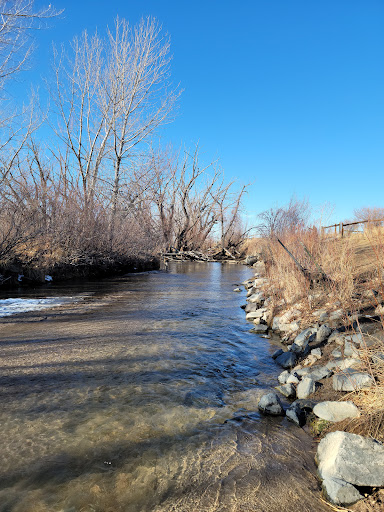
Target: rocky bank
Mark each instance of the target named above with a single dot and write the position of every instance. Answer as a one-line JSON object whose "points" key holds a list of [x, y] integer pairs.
{"points": [[323, 356]]}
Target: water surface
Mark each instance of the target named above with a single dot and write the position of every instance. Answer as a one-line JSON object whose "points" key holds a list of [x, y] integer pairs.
{"points": [[142, 396]]}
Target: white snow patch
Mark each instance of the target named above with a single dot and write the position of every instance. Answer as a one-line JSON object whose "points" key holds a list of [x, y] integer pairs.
{"points": [[13, 306]]}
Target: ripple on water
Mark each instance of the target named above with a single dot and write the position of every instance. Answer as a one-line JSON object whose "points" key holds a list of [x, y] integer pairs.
{"points": [[138, 405]]}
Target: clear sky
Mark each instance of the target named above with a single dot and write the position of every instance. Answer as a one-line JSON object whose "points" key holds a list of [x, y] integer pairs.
{"points": [[288, 94]]}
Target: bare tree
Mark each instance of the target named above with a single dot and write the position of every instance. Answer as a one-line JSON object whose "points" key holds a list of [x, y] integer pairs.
{"points": [[191, 200], [280, 221], [111, 94], [371, 213], [17, 20]]}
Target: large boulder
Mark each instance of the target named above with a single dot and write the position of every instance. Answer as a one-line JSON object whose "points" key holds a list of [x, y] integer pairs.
{"points": [[352, 380], [270, 404], [336, 411], [283, 377], [354, 459], [278, 353]]}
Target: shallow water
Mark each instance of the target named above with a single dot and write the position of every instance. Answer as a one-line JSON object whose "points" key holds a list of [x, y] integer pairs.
{"points": [[143, 397]]}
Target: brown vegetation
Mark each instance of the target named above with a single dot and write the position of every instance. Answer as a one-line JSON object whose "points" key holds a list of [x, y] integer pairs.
{"points": [[339, 273], [94, 192]]}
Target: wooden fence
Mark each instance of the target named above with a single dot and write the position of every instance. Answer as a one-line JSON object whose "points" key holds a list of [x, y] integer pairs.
{"points": [[340, 227]]}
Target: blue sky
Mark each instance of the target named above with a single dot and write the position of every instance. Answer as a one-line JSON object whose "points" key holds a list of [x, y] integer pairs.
{"points": [[288, 94]]}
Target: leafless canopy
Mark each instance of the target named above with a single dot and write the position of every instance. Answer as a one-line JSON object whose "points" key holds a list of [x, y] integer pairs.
{"points": [[18, 18], [282, 220]]}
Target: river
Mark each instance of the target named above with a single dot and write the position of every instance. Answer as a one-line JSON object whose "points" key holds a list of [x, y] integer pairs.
{"points": [[140, 394]]}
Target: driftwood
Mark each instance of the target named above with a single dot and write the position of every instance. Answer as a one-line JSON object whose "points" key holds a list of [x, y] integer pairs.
{"points": [[213, 255]]}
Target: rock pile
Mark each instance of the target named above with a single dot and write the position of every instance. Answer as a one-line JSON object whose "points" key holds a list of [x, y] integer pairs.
{"points": [[305, 369]]}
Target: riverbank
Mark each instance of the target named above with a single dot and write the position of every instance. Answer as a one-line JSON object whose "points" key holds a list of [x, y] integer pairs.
{"points": [[31, 272], [330, 355]]}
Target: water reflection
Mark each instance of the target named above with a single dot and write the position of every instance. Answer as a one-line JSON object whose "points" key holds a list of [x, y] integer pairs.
{"points": [[144, 398]]}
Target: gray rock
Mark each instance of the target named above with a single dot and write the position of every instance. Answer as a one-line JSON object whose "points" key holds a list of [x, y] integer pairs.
{"points": [[323, 333], [256, 298], [340, 492], [302, 339], [270, 404], [251, 307], [378, 358], [342, 364], [316, 352], [259, 328], [255, 314], [337, 338], [287, 359], [251, 291], [282, 378], [355, 459], [319, 372], [336, 316], [297, 414], [297, 348], [287, 390], [352, 380], [293, 379], [278, 353], [301, 372], [305, 388], [355, 338], [250, 260], [319, 312], [350, 349], [336, 353], [336, 411]]}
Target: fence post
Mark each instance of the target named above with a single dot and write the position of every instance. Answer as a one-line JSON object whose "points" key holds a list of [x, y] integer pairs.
{"points": [[341, 229]]}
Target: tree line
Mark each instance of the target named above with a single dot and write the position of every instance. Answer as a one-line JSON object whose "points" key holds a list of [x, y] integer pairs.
{"points": [[89, 175]]}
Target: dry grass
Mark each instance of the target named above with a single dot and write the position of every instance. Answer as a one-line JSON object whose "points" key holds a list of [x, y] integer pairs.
{"points": [[355, 267]]}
